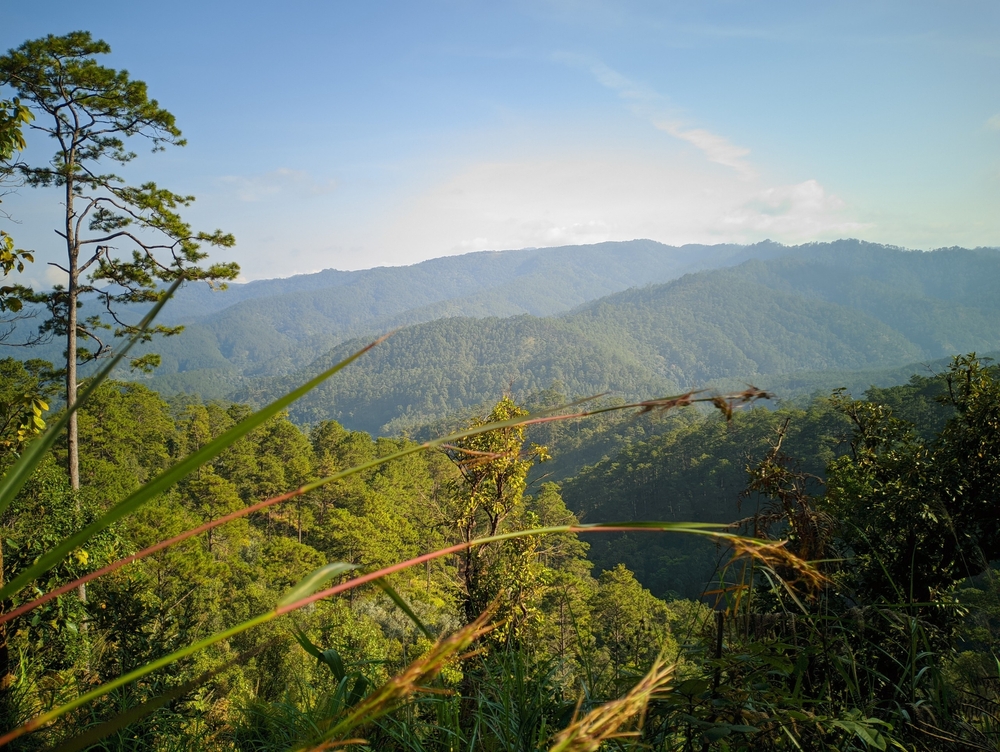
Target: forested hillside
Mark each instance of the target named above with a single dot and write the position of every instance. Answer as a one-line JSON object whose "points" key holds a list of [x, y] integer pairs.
{"points": [[223, 576], [846, 306], [696, 471], [276, 326], [431, 370], [569, 617]]}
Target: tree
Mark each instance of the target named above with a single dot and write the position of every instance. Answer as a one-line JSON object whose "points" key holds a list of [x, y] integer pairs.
{"points": [[563, 625], [13, 117], [920, 515], [91, 111], [21, 402], [494, 467], [24, 389], [126, 432], [631, 623]]}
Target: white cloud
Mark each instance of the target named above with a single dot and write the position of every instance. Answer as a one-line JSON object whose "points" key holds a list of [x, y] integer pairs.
{"points": [[994, 122], [804, 211], [641, 99], [253, 188], [715, 148], [53, 275], [40, 275], [592, 198], [644, 101]]}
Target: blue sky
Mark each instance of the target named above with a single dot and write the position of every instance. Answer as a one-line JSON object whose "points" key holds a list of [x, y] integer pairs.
{"points": [[350, 135]]}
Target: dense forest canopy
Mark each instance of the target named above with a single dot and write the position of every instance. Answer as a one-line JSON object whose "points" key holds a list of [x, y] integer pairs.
{"points": [[582, 618]]}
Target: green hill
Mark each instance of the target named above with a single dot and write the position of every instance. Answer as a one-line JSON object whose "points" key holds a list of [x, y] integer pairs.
{"points": [[846, 306], [277, 326], [431, 370]]}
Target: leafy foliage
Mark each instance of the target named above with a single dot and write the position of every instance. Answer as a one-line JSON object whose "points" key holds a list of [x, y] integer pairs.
{"points": [[920, 511]]}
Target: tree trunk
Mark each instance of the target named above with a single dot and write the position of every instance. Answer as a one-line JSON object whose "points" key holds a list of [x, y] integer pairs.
{"points": [[72, 431], [72, 438]]}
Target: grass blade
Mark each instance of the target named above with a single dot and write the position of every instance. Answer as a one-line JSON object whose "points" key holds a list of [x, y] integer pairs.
{"points": [[404, 607], [313, 580]]}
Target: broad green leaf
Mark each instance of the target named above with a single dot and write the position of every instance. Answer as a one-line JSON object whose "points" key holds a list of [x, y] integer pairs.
{"points": [[404, 607], [308, 645], [692, 687], [313, 581], [716, 733], [329, 657], [358, 691], [332, 659]]}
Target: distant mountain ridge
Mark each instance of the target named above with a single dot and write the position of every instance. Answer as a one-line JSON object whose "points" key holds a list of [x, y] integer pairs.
{"points": [[845, 306], [609, 264], [277, 326], [270, 326]]}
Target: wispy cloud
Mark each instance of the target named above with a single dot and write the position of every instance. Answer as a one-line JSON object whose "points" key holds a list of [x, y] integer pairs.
{"points": [[716, 148], [639, 96], [994, 122], [253, 188], [649, 104]]}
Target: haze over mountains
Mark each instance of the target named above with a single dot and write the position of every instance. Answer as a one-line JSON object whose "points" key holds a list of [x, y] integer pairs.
{"points": [[635, 318], [266, 327]]}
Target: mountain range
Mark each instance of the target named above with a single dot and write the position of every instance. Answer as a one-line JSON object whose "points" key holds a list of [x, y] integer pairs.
{"points": [[267, 327], [845, 306], [635, 319]]}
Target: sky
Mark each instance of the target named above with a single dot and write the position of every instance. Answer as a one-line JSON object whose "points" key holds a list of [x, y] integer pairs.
{"points": [[329, 134]]}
